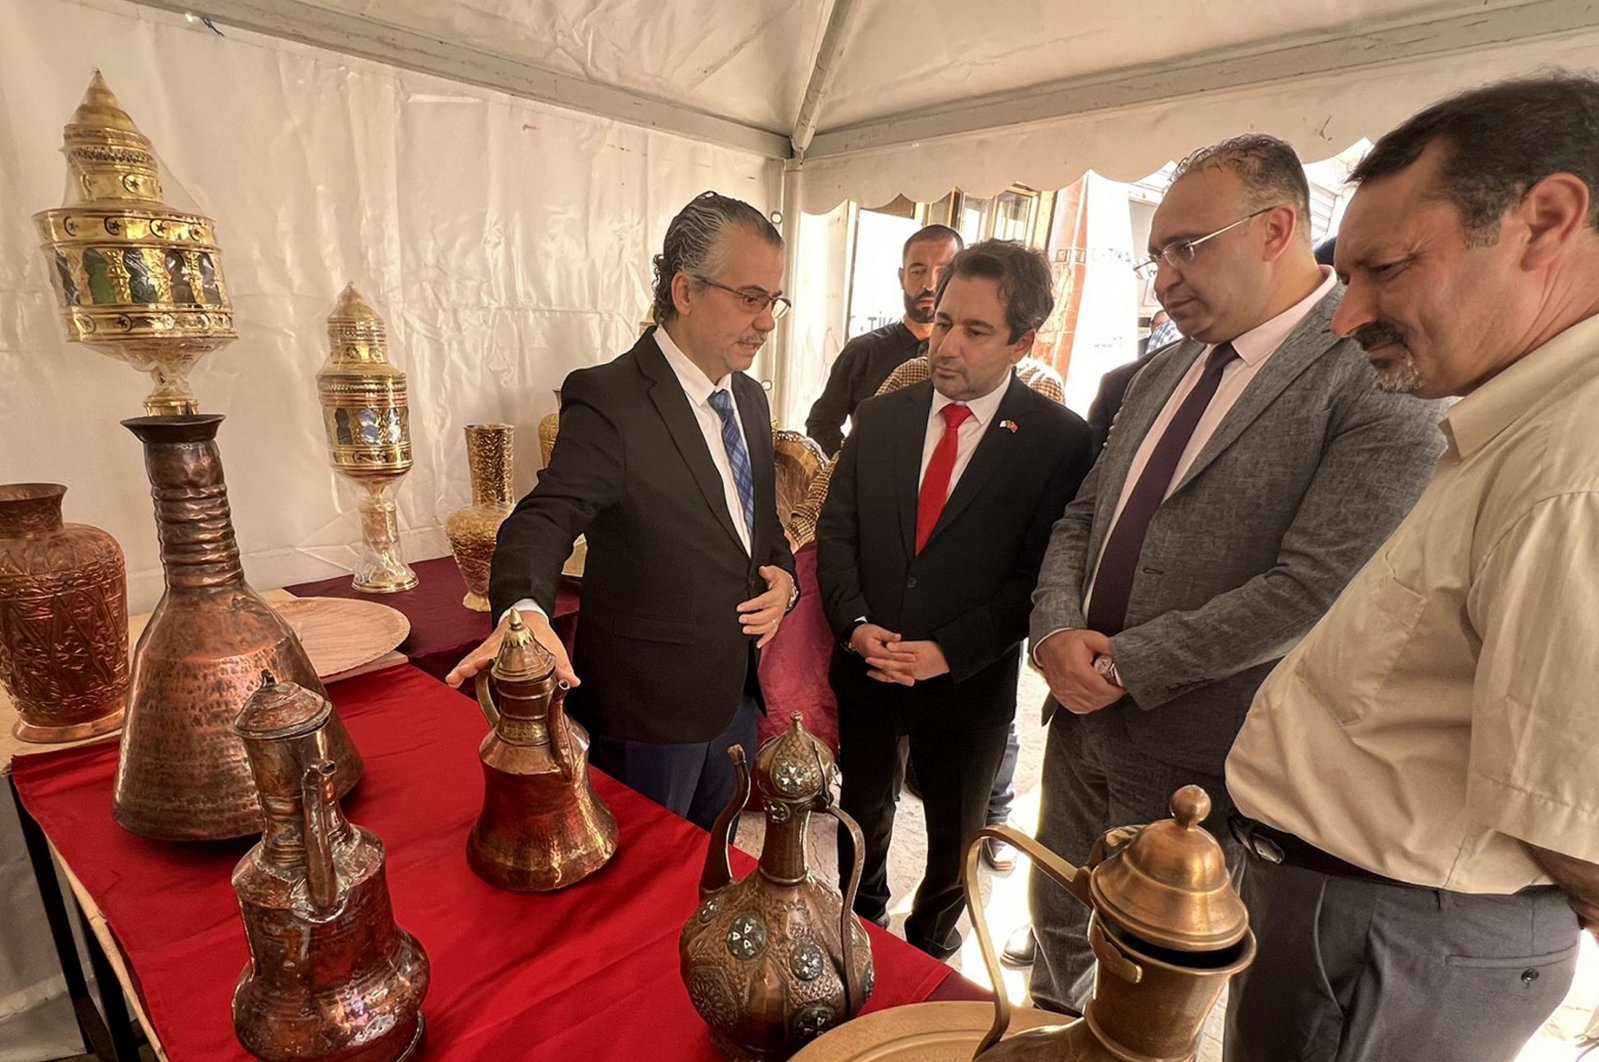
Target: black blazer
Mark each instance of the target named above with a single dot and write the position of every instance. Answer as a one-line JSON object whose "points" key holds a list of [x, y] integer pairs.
{"points": [[659, 647], [970, 588]]}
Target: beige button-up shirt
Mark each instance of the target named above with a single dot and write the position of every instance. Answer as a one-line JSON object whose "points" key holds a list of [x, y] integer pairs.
{"points": [[1446, 708]]}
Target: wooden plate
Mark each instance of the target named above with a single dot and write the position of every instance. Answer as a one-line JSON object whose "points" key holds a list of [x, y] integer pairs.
{"points": [[339, 633], [920, 1032]]}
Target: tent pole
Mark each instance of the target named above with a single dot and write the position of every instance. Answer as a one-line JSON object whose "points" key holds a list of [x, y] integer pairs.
{"points": [[782, 375]]}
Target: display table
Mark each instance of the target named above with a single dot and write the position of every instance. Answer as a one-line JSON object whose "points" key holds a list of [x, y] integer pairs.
{"points": [[587, 973], [442, 629]]}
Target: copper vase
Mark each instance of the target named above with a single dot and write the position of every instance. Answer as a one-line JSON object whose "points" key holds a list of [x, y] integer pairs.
{"points": [[183, 774], [542, 827], [472, 530], [63, 618], [775, 960], [331, 977]]}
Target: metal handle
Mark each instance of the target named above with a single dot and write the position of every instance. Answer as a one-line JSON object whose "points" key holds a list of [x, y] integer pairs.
{"points": [[321, 879], [854, 991], [560, 732], [1073, 879], [485, 701], [718, 872]]}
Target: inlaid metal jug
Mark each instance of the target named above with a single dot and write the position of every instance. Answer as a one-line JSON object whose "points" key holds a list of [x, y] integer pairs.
{"points": [[775, 960], [542, 827], [331, 977]]}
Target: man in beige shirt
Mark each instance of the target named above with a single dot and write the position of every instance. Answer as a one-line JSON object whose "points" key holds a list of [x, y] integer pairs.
{"points": [[1418, 780]]}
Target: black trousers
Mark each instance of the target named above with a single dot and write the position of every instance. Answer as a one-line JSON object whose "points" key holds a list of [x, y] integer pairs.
{"points": [[956, 771], [695, 780]]}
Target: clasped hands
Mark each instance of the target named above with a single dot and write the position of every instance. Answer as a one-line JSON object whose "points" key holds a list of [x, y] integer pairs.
{"points": [[1066, 659], [890, 658]]}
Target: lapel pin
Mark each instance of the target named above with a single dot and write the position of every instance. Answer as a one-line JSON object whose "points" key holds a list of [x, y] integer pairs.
{"points": [[1008, 425]]}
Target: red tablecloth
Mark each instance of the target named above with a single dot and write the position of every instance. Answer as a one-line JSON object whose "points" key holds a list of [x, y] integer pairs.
{"points": [[589, 973], [442, 629]]}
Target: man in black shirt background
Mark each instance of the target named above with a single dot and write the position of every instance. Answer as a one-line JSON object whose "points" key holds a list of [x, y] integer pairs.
{"points": [[866, 360]]}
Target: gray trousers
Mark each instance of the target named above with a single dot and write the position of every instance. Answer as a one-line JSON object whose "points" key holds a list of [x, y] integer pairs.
{"points": [[1357, 971], [1096, 778]]}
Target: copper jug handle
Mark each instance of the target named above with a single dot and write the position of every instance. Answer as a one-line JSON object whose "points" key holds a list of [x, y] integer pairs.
{"points": [[1073, 879], [854, 991], [485, 700], [718, 872]]}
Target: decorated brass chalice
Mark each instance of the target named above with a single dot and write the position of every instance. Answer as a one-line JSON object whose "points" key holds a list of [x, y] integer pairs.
{"points": [[136, 278], [473, 531], [542, 826], [366, 416], [1168, 932]]}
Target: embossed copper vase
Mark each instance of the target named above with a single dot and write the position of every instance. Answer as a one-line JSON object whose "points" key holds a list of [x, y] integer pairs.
{"points": [[472, 530], [542, 827], [63, 618], [183, 774], [331, 977], [775, 960]]}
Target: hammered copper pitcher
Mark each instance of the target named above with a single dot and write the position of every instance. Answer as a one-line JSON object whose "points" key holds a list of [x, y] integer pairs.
{"points": [[775, 960], [183, 773], [331, 977], [542, 827]]}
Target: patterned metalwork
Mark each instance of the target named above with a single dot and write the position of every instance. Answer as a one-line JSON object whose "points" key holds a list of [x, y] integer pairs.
{"points": [[813, 1021], [807, 962], [746, 937], [473, 530], [712, 996]]}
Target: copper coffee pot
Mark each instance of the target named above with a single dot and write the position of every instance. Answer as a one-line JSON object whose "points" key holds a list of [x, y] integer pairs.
{"points": [[775, 960], [331, 977], [542, 828]]}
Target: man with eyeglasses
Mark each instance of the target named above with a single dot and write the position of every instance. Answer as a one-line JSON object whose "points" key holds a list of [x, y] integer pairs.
{"points": [[1253, 468], [665, 462]]}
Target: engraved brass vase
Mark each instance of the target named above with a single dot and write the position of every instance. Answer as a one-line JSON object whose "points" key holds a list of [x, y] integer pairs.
{"points": [[331, 977], [775, 960], [137, 280], [542, 827], [366, 415], [183, 773], [472, 530], [63, 618]]}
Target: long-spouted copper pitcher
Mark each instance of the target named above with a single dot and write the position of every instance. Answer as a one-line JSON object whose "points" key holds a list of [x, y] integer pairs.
{"points": [[775, 960], [183, 773], [331, 977], [542, 827]]}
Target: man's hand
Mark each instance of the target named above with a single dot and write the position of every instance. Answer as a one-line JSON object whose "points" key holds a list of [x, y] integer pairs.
{"points": [[483, 656], [761, 616], [1579, 879], [908, 663], [1067, 660]]}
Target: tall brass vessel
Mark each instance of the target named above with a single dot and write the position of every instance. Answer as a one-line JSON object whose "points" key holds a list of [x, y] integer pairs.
{"points": [[366, 415], [331, 977], [183, 773], [775, 960], [542, 827], [472, 531], [137, 279]]}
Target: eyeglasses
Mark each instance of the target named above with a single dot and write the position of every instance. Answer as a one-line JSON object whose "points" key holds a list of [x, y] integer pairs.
{"points": [[1179, 253], [753, 300]]}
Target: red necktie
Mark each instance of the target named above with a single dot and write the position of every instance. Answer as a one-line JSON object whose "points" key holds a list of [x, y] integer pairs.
{"points": [[935, 482]]}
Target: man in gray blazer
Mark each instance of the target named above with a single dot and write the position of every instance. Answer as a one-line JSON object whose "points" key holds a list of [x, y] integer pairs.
{"points": [[1253, 468]]}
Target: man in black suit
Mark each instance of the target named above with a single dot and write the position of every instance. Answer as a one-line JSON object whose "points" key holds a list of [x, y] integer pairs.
{"points": [[665, 462], [927, 551]]}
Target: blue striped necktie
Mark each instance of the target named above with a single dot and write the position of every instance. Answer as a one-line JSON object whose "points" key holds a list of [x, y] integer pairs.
{"points": [[737, 457]]}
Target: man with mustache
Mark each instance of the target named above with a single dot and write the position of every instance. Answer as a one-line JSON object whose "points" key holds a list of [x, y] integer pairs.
{"points": [[1252, 469], [866, 360], [665, 462], [1419, 776], [927, 549]]}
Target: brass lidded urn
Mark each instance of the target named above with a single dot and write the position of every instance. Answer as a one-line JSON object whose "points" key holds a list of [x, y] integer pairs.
{"points": [[331, 976], [775, 960], [366, 415], [473, 531], [137, 279], [542, 826], [182, 774]]}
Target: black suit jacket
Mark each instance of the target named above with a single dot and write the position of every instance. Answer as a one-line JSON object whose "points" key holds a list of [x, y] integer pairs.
{"points": [[1108, 402], [970, 588], [659, 648]]}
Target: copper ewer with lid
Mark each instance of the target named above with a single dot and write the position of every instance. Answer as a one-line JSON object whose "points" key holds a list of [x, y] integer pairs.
{"points": [[331, 977], [542, 827]]}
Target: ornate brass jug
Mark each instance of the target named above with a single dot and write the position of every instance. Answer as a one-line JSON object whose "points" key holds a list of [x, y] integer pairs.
{"points": [[473, 531], [775, 960], [331, 977], [542, 828]]}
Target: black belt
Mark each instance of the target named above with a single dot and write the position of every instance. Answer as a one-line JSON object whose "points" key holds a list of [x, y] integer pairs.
{"points": [[1275, 846]]}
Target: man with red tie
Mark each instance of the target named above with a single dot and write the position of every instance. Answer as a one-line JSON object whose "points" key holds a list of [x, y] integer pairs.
{"points": [[1253, 468], [927, 551]]}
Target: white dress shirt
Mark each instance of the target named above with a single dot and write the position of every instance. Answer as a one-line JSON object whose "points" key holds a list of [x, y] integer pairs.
{"points": [[969, 434]]}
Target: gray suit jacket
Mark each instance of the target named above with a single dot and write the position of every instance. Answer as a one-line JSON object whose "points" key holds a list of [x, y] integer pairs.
{"points": [[1303, 479]]}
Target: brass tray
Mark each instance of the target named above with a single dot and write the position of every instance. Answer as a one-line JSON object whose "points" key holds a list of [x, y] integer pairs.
{"points": [[920, 1032]]}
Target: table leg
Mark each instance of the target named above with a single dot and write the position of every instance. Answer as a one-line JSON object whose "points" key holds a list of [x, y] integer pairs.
{"points": [[123, 1046]]}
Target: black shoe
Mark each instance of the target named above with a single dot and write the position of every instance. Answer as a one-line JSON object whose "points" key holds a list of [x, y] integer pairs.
{"points": [[1021, 947], [1000, 856], [881, 921]]}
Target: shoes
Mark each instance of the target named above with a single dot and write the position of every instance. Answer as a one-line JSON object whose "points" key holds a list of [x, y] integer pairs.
{"points": [[880, 921], [1000, 856], [1020, 948]]}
